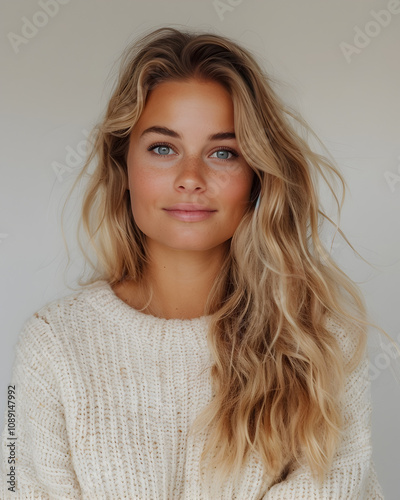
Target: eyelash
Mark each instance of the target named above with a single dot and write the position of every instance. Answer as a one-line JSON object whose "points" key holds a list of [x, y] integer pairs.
{"points": [[232, 151]]}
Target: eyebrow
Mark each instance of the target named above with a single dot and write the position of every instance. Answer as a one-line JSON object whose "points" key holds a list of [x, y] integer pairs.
{"points": [[171, 133]]}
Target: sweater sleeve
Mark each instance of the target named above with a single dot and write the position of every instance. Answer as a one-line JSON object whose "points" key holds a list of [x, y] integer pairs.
{"points": [[352, 475], [43, 464]]}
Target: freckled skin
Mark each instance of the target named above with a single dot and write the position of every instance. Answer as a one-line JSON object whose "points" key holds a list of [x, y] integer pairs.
{"points": [[185, 256], [191, 172]]}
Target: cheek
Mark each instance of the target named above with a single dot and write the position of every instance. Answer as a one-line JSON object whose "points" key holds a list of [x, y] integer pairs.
{"points": [[230, 184], [237, 187], [144, 186], [141, 192]]}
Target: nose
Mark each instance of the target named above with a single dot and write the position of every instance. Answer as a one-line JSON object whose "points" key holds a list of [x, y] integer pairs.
{"points": [[191, 175]]}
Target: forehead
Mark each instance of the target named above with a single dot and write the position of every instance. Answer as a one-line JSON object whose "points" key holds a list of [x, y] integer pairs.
{"points": [[172, 99]]}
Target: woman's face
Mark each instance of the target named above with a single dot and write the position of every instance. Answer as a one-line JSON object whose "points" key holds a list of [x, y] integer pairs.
{"points": [[174, 159]]}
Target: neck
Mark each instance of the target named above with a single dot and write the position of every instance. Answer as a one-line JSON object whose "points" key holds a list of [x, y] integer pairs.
{"points": [[181, 280]]}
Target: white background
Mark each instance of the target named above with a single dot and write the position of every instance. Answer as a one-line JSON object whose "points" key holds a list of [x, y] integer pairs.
{"points": [[55, 86]]}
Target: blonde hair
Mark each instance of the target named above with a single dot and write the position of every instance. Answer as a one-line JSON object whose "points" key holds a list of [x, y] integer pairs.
{"points": [[278, 371]]}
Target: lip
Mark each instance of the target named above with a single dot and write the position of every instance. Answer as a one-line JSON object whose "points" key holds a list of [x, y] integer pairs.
{"points": [[190, 207], [190, 215]]}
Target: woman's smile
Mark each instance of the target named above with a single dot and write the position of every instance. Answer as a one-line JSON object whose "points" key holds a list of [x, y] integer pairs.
{"points": [[190, 215]]}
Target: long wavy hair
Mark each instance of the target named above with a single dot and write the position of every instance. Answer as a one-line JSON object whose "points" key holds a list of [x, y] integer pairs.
{"points": [[278, 369]]}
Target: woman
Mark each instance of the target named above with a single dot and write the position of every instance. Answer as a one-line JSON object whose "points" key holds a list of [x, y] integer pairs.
{"points": [[216, 351]]}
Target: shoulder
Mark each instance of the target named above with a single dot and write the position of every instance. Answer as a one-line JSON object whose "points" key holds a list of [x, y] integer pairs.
{"points": [[60, 319], [72, 302]]}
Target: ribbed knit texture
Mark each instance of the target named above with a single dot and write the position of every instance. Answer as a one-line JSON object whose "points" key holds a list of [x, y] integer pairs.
{"points": [[105, 396]]}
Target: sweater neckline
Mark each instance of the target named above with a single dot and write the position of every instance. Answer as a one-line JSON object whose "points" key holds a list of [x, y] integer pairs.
{"points": [[106, 299]]}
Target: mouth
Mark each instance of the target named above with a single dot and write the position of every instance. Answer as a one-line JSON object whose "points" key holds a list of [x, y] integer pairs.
{"points": [[187, 211], [190, 215], [190, 207]]}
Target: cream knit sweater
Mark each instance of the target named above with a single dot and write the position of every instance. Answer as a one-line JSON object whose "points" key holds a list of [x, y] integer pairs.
{"points": [[105, 395]]}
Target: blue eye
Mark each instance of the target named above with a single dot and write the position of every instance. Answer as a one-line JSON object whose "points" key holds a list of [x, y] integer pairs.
{"points": [[162, 147], [230, 151]]}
